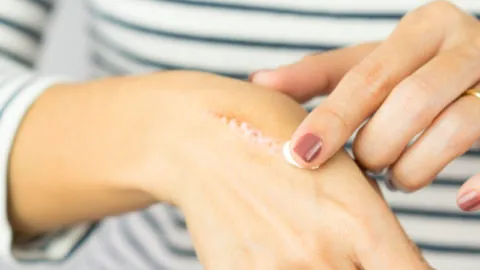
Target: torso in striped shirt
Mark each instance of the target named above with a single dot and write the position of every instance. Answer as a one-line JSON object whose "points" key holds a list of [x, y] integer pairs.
{"points": [[233, 38]]}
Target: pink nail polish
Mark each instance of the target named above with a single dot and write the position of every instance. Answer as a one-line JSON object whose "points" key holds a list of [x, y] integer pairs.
{"points": [[250, 77], [308, 147], [470, 201], [253, 74]]}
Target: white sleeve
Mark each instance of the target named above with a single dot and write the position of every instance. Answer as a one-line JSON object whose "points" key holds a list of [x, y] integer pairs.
{"points": [[21, 27], [17, 93]]}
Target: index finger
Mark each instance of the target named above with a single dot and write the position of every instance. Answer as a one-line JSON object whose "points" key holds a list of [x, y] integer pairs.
{"points": [[314, 75], [363, 89]]}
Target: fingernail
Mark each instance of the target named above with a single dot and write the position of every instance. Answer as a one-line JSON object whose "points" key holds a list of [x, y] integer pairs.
{"points": [[308, 147], [389, 182], [376, 173], [254, 74], [383, 171], [469, 201], [287, 155]]}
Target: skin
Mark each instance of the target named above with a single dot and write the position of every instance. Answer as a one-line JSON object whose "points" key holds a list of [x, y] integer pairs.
{"points": [[121, 144], [408, 83]]}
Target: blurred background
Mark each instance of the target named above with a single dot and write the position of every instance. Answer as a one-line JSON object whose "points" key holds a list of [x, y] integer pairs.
{"points": [[66, 46], [66, 41]]}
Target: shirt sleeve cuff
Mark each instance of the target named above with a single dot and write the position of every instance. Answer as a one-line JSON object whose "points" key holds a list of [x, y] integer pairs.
{"points": [[17, 93]]}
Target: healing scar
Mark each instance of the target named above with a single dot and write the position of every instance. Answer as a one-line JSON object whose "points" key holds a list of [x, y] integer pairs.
{"points": [[255, 135]]}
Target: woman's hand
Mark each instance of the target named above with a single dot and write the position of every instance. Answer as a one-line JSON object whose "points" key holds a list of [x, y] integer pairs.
{"points": [[407, 85], [209, 145], [245, 206]]}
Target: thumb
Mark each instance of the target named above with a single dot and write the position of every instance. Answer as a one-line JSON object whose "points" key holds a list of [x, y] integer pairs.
{"points": [[314, 75], [468, 198]]}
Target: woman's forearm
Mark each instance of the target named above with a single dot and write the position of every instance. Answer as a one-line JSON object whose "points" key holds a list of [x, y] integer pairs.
{"points": [[66, 162], [80, 153], [87, 151]]}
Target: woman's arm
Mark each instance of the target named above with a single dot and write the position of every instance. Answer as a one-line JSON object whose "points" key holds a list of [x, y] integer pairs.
{"points": [[209, 145], [85, 144]]}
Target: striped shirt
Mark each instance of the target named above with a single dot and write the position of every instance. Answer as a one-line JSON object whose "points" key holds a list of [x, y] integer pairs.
{"points": [[228, 37]]}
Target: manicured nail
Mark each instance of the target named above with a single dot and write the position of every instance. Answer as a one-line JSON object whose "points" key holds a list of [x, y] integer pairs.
{"points": [[287, 155], [375, 173], [389, 181], [308, 147], [255, 73], [469, 201]]}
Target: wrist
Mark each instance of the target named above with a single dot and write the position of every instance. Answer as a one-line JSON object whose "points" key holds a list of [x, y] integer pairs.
{"points": [[71, 155], [188, 126]]}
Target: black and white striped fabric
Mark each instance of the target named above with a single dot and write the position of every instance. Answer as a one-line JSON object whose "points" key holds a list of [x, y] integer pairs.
{"points": [[228, 37]]}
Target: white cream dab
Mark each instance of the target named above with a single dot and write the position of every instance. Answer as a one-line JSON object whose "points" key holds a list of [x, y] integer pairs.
{"points": [[287, 154]]}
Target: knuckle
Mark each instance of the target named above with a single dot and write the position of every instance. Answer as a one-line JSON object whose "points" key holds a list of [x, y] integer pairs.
{"points": [[370, 151], [419, 85], [417, 93], [371, 80], [442, 9], [335, 116], [442, 6], [471, 50], [457, 141], [439, 11], [409, 182], [373, 162]]}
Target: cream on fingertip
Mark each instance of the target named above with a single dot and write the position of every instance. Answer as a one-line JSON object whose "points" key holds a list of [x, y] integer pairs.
{"points": [[287, 155]]}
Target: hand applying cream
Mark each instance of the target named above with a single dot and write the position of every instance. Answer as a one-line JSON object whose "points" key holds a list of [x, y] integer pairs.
{"points": [[287, 154]]}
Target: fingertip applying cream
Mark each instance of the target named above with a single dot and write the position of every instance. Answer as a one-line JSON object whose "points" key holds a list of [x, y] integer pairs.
{"points": [[288, 156]]}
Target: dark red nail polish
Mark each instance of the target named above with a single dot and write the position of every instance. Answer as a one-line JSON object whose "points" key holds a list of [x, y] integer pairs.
{"points": [[470, 201], [308, 147]]}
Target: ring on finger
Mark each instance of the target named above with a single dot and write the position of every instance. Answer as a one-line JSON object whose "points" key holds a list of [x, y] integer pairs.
{"points": [[472, 92]]}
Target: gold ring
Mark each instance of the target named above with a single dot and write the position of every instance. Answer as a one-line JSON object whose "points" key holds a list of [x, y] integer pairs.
{"points": [[472, 92]]}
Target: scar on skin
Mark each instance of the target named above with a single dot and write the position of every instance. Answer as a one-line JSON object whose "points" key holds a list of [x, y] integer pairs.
{"points": [[256, 136], [251, 133]]}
